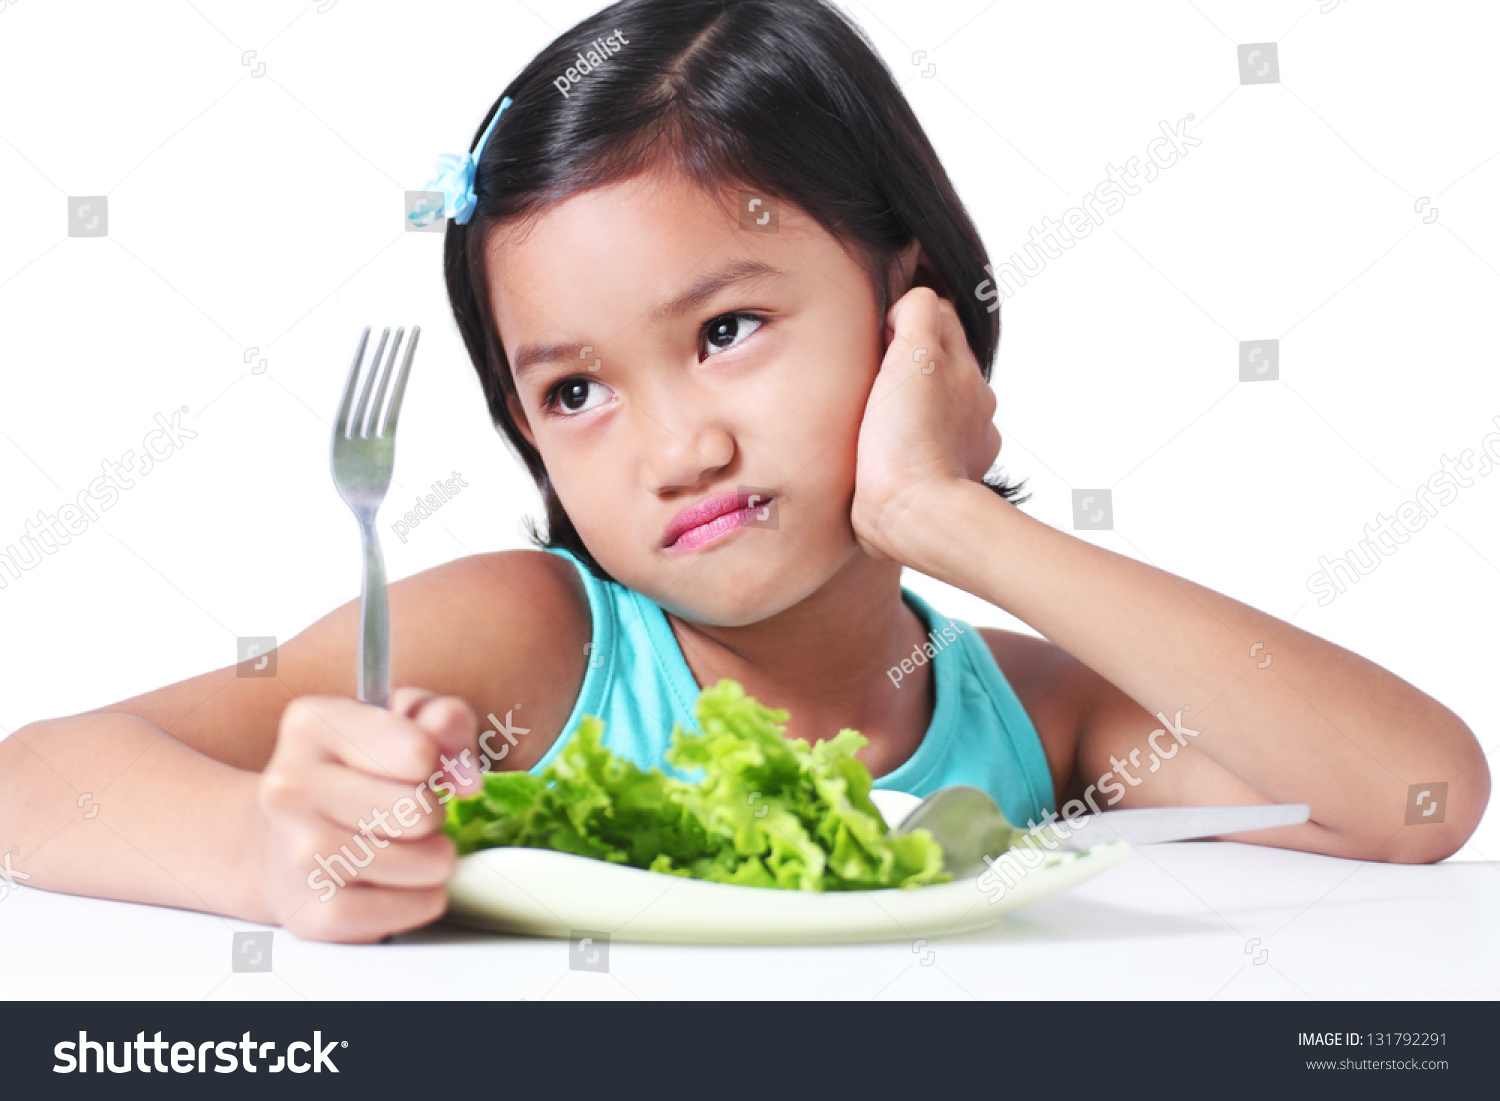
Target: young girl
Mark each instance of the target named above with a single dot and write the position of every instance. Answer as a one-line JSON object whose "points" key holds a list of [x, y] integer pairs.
{"points": [[722, 299]]}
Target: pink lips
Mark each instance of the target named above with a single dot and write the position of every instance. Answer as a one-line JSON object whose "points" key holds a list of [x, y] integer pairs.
{"points": [[709, 520]]}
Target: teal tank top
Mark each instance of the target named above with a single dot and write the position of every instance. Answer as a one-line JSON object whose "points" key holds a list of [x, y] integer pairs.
{"points": [[639, 683]]}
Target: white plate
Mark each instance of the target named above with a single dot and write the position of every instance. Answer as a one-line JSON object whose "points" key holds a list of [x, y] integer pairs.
{"points": [[552, 894]]}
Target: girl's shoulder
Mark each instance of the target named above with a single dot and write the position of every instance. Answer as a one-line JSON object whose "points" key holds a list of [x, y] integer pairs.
{"points": [[510, 636], [547, 581], [497, 595], [1056, 689]]}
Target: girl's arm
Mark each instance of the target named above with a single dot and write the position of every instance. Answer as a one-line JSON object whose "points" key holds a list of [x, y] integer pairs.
{"points": [[214, 794], [1183, 706], [107, 804]]}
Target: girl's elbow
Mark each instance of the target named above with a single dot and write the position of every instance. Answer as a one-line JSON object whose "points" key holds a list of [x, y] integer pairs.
{"points": [[1442, 813]]}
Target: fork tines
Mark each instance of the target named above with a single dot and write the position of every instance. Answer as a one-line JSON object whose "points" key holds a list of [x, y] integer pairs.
{"points": [[367, 420]]}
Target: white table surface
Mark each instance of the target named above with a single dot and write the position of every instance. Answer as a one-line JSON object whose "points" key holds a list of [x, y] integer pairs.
{"points": [[1186, 920]]}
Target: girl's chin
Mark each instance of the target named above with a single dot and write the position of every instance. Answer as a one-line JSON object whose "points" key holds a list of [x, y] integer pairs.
{"points": [[747, 580]]}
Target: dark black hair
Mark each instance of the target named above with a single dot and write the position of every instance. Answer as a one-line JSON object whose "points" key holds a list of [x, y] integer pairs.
{"points": [[784, 98]]}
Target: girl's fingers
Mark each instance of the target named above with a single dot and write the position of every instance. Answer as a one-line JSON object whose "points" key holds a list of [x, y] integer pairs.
{"points": [[448, 720], [345, 798], [451, 724], [427, 862], [368, 739], [355, 794], [406, 701], [360, 914], [316, 857], [928, 324], [382, 743], [955, 341], [918, 325]]}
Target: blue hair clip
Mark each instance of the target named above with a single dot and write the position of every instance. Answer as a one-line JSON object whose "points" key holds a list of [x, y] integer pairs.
{"points": [[455, 179]]}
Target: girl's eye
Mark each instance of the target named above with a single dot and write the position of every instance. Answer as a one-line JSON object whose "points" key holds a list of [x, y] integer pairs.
{"points": [[727, 330], [576, 395]]}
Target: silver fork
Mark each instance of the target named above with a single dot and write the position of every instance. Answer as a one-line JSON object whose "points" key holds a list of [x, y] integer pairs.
{"points": [[364, 451]]}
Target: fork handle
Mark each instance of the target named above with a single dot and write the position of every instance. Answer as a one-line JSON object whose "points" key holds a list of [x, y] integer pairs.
{"points": [[374, 625]]}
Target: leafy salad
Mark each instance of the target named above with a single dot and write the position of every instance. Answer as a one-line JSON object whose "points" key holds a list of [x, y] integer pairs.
{"points": [[769, 811]]}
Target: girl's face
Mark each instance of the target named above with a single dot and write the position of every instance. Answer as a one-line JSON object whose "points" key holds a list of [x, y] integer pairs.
{"points": [[695, 385]]}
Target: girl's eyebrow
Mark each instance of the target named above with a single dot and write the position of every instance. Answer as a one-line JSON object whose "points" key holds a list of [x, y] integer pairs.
{"points": [[708, 285], [712, 282]]}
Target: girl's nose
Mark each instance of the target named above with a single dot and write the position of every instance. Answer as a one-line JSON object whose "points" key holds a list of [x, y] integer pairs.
{"points": [[680, 454]]}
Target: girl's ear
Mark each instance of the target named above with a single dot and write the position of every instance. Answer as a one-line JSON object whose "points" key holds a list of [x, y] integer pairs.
{"points": [[912, 268], [518, 416]]}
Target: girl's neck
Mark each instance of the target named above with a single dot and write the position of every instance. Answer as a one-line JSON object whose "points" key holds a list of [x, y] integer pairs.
{"points": [[826, 661]]}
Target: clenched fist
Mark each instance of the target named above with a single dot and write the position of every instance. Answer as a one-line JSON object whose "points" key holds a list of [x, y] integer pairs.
{"points": [[353, 795]]}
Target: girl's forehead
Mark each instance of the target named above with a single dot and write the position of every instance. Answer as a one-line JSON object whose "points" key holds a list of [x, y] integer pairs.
{"points": [[664, 209], [628, 246]]}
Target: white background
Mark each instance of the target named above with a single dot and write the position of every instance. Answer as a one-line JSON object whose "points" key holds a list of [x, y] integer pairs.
{"points": [[265, 212]]}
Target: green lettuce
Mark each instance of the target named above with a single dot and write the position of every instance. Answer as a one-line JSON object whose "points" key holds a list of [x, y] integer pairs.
{"points": [[769, 811]]}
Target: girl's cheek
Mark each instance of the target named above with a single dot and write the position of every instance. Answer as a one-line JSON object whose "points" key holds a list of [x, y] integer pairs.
{"points": [[587, 469]]}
